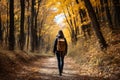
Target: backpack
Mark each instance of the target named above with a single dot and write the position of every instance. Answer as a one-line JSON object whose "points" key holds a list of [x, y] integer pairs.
{"points": [[61, 44]]}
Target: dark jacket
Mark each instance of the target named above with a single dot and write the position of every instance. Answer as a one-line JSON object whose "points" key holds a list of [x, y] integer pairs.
{"points": [[55, 45]]}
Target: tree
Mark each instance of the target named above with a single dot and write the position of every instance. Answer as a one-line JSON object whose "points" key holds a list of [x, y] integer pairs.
{"points": [[7, 22], [108, 15], [32, 26], [28, 23], [85, 27], [82, 12], [102, 10], [35, 29], [22, 35], [71, 20], [116, 13], [11, 29], [1, 35], [96, 25], [72, 27]]}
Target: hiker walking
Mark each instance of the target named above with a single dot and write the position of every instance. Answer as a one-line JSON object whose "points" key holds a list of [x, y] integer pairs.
{"points": [[60, 50]]}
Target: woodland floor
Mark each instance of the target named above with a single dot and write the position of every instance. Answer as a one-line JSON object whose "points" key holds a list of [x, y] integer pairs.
{"points": [[45, 68], [21, 66]]}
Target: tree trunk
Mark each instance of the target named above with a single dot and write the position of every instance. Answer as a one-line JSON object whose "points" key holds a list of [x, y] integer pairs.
{"points": [[28, 22], [108, 15], [22, 34], [71, 22], [82, 14], [1, 35], [32, 26], [96, 25], [102, 17], [11, 29], [116, 13], [7, 22], [35, 30]]}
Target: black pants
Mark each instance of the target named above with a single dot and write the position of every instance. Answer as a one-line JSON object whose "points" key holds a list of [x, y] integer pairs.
{"points": [[60, 59]]}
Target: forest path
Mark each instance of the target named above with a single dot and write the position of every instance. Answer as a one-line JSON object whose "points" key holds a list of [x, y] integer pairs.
{"points": [[45, 68]]}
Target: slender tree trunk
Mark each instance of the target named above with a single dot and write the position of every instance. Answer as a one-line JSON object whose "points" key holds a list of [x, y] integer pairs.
{"points": [[11, 29], [28, 21], [36, 15], [96, 25], [35, 31], [22, 34], [102, 17], [28, 39], [108, 15], [32, 26], [82, 14], [75, 27], [116, 13], [7, 31], [73, 36], [1, 35]]}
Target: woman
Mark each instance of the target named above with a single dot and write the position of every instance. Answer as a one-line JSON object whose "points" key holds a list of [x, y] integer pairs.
{"points": [[60, 49]]}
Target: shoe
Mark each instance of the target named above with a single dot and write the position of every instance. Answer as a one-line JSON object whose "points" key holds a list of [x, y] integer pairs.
{"points": [[60, 74]]}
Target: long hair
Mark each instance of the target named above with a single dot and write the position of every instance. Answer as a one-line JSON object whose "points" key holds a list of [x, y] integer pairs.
{"points": [[60, 34]]}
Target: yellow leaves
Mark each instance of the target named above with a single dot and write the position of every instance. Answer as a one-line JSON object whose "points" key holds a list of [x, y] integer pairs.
{"points": [[4, 18], [3, 5], [16, 16], [95, 2], [82, 5], [67, 34], [3, 2], [27, 13], [36, 6], [51, 3], [76, 7], [67, 2]]}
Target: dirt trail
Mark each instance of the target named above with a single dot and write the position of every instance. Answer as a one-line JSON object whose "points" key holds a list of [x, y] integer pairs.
{"points": [[45, 68]]}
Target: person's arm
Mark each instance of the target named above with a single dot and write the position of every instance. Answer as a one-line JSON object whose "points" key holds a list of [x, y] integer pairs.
{"points": [[66, 49], [55, 47]]}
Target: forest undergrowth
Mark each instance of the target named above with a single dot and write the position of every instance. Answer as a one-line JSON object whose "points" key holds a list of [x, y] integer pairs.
{"points": [[11, 62], [96, 62]]}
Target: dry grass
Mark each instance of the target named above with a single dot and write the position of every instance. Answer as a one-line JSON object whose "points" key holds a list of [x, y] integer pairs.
{"points": [[11, 62], [104, 63]]}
